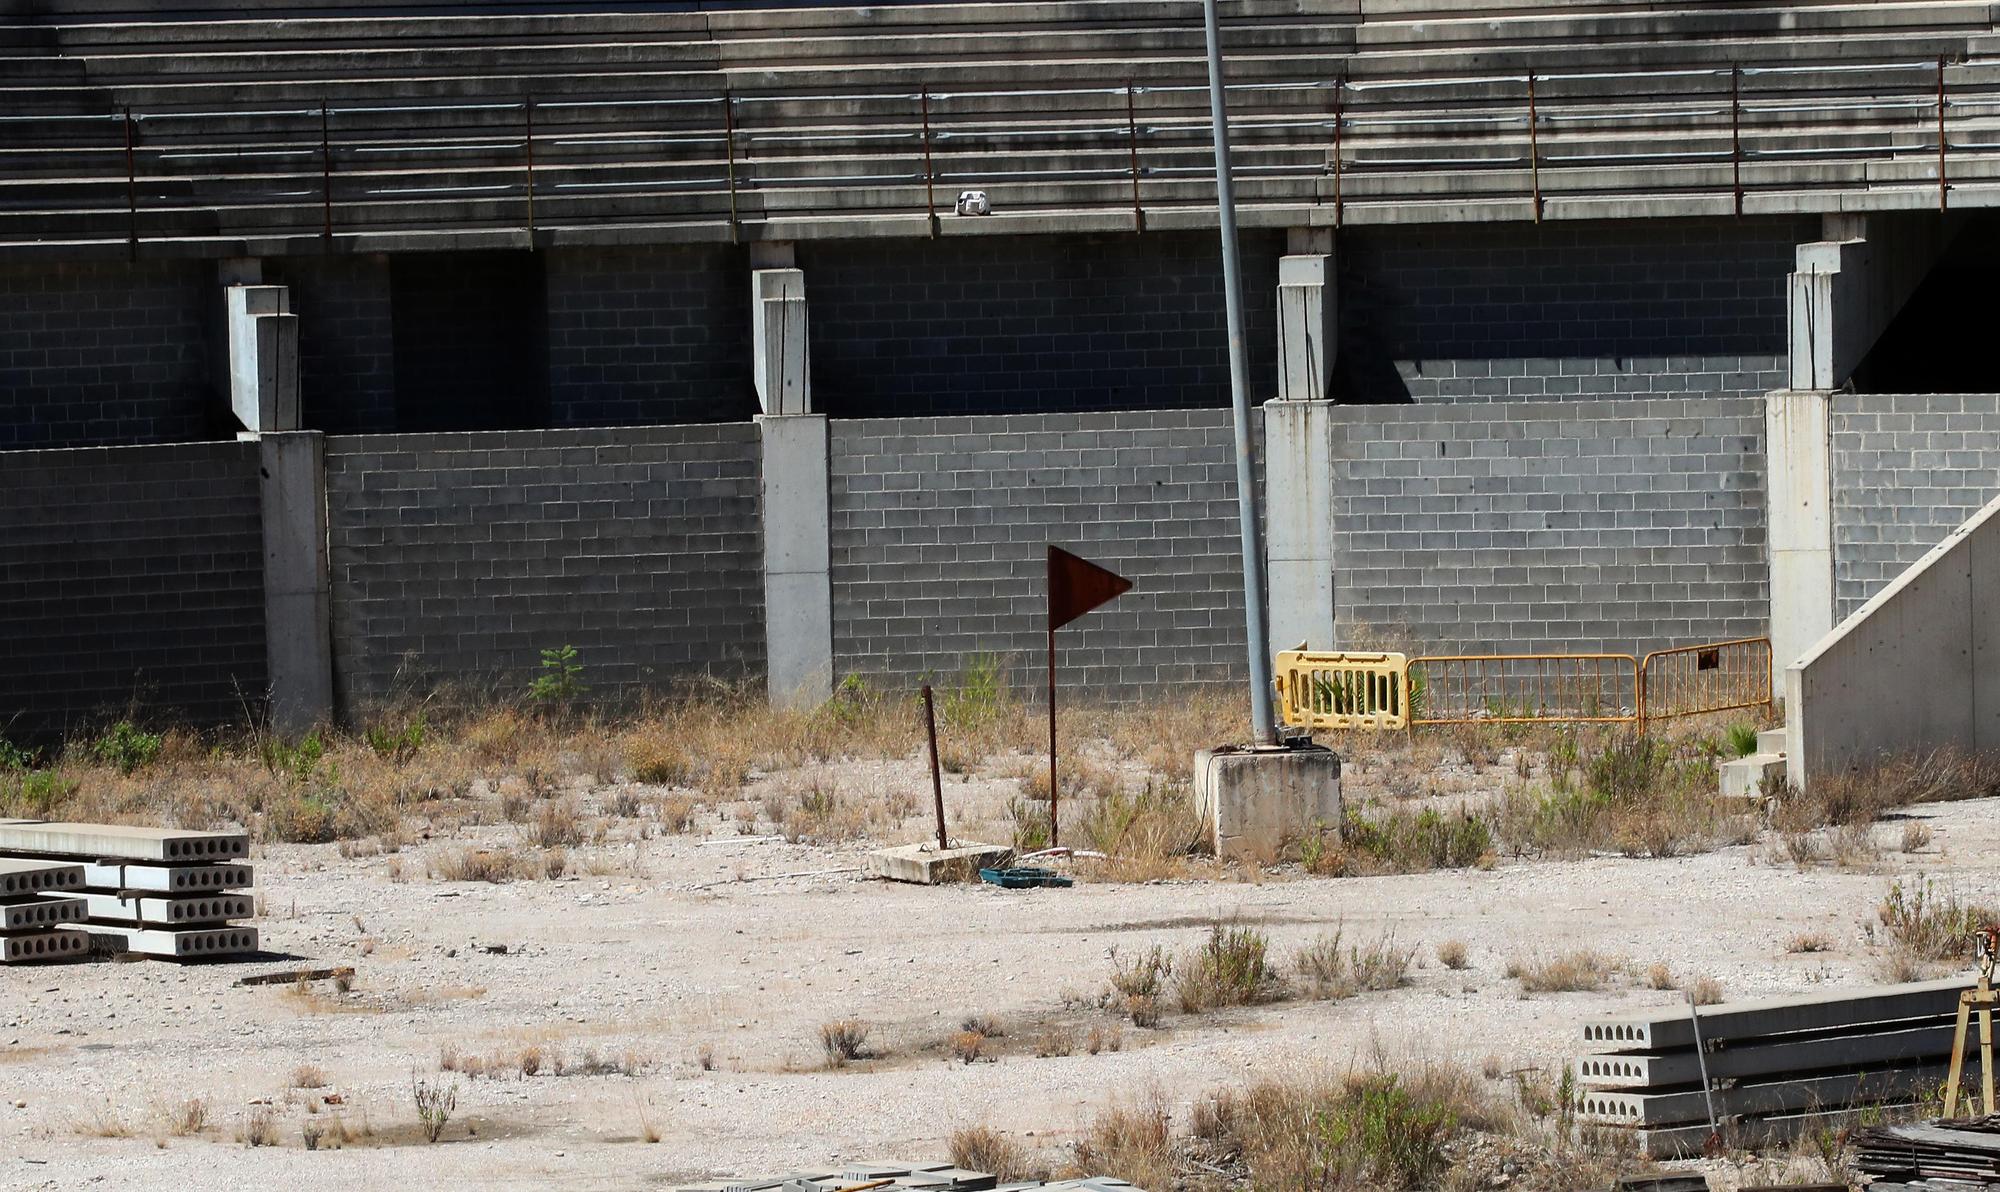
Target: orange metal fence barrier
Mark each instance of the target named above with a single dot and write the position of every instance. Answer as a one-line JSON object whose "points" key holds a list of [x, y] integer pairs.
{"points": [[1524, 688], [1714, 677], [1349, 690]]}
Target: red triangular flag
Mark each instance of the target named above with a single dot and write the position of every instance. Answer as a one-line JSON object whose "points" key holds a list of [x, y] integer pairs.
{"points": [[1078, 585]]}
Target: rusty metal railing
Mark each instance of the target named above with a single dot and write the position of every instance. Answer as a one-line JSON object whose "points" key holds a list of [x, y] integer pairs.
{"points": [[1713, 677], [1524, 689], [1318, 689], [1357, 690]]}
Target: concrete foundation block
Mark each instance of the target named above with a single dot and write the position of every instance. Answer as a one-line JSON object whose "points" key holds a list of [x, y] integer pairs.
{"points": [[928, 865], [1260, 802], [1771, 740], [1744, 777]]}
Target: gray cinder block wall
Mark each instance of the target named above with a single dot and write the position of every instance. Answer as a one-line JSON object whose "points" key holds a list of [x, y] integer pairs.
{"points": [[1907, 470], [939, 529], [106, 353], [133, 579], [647, 335], [1524, 526], [347, 344], [457, 558], [1471, 312], [1022, 324]]}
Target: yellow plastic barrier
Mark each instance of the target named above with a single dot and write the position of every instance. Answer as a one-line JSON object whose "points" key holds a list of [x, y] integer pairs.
{"points": [[1338, 690]]}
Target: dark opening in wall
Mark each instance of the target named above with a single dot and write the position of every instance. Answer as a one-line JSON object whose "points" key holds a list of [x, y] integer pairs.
{"points": [[1940, 343], [471, 336]]}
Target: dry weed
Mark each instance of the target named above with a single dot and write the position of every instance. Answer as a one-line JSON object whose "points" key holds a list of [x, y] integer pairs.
{"points": [[843, 1041], [982, 1148], [1570, 972]]}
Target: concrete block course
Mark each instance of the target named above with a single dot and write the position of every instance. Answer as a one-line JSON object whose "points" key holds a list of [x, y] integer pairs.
{"points": [[939, 528], [134, 578], [459, 557], [1607, 525], [1906, 470], [1260, 803]]}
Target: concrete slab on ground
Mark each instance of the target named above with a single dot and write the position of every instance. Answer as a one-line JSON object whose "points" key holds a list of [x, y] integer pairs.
{"points": [[60, 944], [38, 913], [928, 865], [1261, 802], [20, 877], [166, 879], [165, 912], [126, 843], [187, 943]]}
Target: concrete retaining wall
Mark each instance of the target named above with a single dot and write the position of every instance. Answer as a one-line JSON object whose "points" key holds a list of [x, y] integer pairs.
{"points": [[1907, 469], [1522, 526], [457, 558], [939, 534], [1915, 667], [130, 578]]}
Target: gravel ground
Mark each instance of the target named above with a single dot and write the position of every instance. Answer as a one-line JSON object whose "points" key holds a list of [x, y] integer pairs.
{"points": [[674, 956]]}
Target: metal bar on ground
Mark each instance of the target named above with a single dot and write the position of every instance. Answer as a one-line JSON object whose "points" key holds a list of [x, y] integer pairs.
{"points": [[937, 777]]}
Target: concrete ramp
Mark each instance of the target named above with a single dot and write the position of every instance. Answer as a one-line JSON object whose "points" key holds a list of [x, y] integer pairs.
{"points": [[1917, 667]]}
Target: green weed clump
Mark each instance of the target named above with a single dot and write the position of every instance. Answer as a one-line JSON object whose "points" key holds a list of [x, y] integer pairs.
{"points": [[1229, 969], [126, 748], [1401, 841]]}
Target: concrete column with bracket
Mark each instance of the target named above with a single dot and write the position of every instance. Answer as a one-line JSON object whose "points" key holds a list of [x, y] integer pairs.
{"points": [[1298, 447], [263, 357], [298, 636]]}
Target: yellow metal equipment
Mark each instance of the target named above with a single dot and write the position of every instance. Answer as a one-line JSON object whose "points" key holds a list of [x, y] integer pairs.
{"points": [[1324, 689], [1979, 1000], [1332, 690]]}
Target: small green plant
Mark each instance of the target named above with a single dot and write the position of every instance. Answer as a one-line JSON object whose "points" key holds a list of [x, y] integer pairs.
{"points": [[561, 682], [1742, 740], [436, 1101], [13, 757], [1229, 969], [33, 794], [1429, 839], [126, 748], [1031, 824], [1397, 1140], [397, 743], [1929, 923], [301, 762], [1142, 974], [980, 695], [1629, 768]]}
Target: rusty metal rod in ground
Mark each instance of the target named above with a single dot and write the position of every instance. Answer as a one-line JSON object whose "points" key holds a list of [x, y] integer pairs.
{"points": [[937, 779]]}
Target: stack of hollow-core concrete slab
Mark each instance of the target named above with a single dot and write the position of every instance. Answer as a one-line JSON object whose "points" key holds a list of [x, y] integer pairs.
{"points": [[36, 897], [153, 891], [897, 1174], [1774, 1069]]}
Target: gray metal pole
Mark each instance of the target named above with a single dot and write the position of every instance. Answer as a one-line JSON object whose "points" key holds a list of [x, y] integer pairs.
{"points": [[1263, 727]]}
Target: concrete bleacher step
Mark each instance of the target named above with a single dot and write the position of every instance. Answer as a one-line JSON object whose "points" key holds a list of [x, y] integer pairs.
{"points": [[1744, 777]]}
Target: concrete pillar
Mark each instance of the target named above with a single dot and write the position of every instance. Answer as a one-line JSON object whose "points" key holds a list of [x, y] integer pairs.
{"points": [[1298, 517], [798, 590], [781, 356], [1849, 286], [298, 640], [1307, 331], [1799, 523], [263, 357]]}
